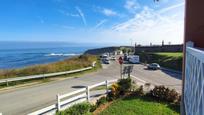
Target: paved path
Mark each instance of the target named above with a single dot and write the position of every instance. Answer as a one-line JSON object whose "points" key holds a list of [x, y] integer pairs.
{"points": [[158, 77], [24, 100]]}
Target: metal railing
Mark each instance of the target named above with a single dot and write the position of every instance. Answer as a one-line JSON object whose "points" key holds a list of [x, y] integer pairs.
{"points": [[66, 100], [45, 75], [194, 80]]}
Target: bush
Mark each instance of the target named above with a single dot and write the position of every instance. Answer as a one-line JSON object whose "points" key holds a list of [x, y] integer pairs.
{"points": [[163, 93], [114, 92], [139, 91], [102, 100], [93, 108], [124, 85], [78, 109], [173, 96]]}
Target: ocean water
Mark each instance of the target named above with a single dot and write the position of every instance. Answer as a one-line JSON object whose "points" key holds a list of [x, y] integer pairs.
{"points": [[17, 58]]}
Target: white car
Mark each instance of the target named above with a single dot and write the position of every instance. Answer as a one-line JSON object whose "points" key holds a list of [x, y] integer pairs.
{"points": [[134, 59], [153, 66]]}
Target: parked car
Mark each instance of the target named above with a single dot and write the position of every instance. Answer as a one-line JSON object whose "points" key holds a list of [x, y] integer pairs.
{"points": [[125, 57], [135, 59], [105, 61], [112, 58], [153, 66]]}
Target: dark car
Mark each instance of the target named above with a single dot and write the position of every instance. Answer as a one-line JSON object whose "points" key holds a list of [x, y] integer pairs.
{"points": [[153, 66]]}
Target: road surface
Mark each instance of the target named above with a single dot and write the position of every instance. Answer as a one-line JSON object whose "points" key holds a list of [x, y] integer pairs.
{"points": [[25, 100]]}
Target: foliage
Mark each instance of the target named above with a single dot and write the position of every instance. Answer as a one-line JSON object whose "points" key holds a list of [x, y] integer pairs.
{"points": [[139, 91], [163, 93], [172, 60], [114, 93], [101, 101], [65, 65], [124, 85], [140, 105], [78, 109], [93, 108]]}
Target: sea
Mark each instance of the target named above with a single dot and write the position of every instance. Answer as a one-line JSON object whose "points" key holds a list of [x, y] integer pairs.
{"points": [[19, 57]]}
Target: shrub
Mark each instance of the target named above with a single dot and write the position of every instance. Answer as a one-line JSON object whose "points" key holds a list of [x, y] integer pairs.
{"points": [[78, 109], [139, 91], [102, 100], [124, 85], [163, 93], [93, 108], [173, 96], [114, 92]]}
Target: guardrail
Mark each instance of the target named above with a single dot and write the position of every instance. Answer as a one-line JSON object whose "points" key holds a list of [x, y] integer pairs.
{"points": [[69, 99], [45, 75]]}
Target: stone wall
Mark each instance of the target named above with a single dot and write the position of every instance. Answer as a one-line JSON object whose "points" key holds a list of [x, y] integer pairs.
{"points": [[162, 48]]}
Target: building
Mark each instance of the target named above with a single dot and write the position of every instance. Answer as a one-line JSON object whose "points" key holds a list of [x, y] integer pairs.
{"points": [[159, 48], [193, 64]]}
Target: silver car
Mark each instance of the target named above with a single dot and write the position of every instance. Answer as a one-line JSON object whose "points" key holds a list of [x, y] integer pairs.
{"points": [[153, 66]]}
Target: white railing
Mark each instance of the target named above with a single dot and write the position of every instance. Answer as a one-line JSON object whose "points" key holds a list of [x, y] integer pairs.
{"points": [[45, 75], [66, 100], [194, 81]]}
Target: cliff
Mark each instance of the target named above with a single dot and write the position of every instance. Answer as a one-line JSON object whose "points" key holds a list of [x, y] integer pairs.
{"points": [[99, 51]]}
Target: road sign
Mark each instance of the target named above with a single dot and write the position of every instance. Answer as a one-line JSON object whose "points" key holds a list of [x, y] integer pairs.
{"points": [[120, 60], [127, 70]]}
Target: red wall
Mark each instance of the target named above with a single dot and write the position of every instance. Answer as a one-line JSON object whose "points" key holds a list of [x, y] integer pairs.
{"points": [[194, 22]]}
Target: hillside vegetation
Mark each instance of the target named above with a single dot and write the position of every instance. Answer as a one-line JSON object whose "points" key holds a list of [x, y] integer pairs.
{"points": [[66, 65], [171, 60], [140, 106]]}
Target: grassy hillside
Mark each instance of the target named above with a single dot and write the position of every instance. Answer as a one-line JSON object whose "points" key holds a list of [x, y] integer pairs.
{"points": [[68, 64], [170, 54], [140, 106], [172, 60]]}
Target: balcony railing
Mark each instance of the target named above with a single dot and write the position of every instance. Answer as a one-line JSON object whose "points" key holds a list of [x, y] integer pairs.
{"points": [[194, 80]]}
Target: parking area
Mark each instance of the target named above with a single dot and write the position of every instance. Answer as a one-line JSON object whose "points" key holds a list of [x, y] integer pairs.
{"points": [[158, 77]]}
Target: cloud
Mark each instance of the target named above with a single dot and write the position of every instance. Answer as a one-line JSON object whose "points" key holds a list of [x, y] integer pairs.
{"points": [[150, 25], [100, 23], [68, 14], [81, 15], [109, 12], [171, 7], [132, 5]]}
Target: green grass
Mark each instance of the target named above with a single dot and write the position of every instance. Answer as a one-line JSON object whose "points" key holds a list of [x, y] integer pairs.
{"points": [[170, 54], [140, 106], [44, 80], [171, 60], [66, 65]]}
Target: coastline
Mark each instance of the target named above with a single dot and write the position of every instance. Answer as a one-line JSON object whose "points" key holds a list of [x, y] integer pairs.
{"points": [[72, 63], [19, 58]]}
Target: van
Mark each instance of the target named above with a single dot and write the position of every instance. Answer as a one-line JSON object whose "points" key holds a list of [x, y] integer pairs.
{"points": [[135, 59]]}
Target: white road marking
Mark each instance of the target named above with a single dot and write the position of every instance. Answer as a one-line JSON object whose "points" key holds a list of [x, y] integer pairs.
{"points": [[138, 79]]}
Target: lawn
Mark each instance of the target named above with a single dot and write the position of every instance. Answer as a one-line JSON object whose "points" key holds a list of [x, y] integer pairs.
{"points": [[140, 106], [171, 60], [170, 54]]}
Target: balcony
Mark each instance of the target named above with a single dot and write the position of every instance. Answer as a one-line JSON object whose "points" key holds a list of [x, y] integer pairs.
{"points": [[194, 80]]}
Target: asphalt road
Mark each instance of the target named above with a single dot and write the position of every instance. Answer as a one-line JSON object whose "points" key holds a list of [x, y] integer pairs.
{"points": [[158, 77], [25, 100]]}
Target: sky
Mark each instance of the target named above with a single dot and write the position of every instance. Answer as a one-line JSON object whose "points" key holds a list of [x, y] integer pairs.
{"points": [[121, 22]]}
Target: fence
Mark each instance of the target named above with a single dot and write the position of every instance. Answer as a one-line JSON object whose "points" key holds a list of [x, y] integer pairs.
{"points": [[45, 75], [78, 96], [194, 81]]}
